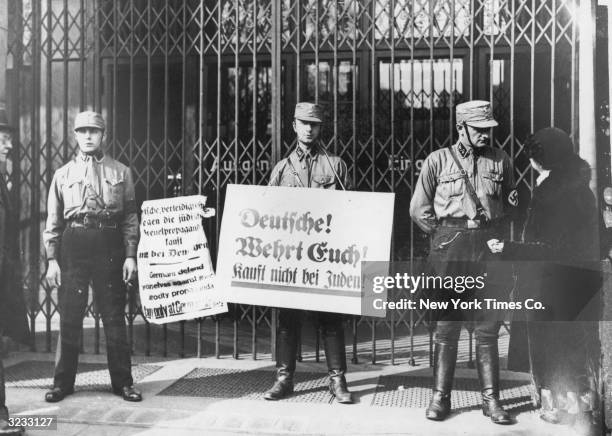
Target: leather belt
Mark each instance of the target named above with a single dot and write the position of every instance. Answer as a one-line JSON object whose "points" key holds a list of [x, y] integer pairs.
{"points": [[93, 222], [464, 223]]}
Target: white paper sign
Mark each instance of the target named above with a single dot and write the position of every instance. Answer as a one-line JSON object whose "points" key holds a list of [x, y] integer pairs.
{"points": [[175, 272], [301, 248]]}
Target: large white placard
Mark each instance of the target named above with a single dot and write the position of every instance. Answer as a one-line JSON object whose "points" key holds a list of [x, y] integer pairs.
{"points": [[301, 248], [176, 276]]}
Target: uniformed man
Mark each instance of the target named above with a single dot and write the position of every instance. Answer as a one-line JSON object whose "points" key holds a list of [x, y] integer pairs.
{"points": [[13, 318], [309, 166], [92, 233], [462, 199]]}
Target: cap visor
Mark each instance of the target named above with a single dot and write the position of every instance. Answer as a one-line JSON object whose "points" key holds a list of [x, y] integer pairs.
{"points": [[310, 119], [88, 126], [482, 124]]}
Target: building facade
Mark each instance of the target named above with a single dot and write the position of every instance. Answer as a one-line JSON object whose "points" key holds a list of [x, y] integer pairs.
{"points": [[199, 94]]}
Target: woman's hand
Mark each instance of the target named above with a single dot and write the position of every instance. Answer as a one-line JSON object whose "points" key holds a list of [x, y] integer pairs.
{"points": [[495, 245]]}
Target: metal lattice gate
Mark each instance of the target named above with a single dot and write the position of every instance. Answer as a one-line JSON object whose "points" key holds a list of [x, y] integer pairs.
{"points": [[199, 94]]}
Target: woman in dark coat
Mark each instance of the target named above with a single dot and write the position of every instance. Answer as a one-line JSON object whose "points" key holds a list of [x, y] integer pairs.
{"points": [[559, 253]]}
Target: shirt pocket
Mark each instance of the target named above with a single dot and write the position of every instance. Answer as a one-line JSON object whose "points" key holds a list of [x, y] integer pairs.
{"points": [[73, 192], [114, 188], [324, 181], [492, 183], [451, 185]]}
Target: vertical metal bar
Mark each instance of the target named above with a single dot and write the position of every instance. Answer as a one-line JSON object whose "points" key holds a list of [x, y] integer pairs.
{"points": [[218, 136], [82, 59], [254, 102], [235, 353], [335, 72], [273, 324], [574, 115], [166, 7], [492, 58], [276, 80], [217, 338], [187, 152], [354, 145], [553, 53], [431, 76], [298, 56], [148, 142], [373, 65], [48, 136], [609, 23], [97, 62], [355, 77], [587, 129], [200, 321], [236, 166], [165, 340], [472, 29], [512, 90], [317, 24], [254, 151], [374, 74], [451, 118], [412, 173], [354, 330], [182, 331], [115, 90], [15, 109], [532, 71], [392, 95], [254, 332]]}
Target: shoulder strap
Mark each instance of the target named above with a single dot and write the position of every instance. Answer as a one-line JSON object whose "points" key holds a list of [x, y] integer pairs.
{"points": [[480, 210]]}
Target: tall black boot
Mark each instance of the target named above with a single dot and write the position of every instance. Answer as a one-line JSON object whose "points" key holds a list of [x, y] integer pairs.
{"points": [[487, 361], [285, 365], [445, 357], [335, 355]]}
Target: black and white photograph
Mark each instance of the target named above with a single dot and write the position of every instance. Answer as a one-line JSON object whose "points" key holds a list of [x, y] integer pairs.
{"points": [[305, 217]]}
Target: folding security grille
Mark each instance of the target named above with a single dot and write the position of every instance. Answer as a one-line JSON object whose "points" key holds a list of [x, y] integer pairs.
{"points": [[200, 93]]}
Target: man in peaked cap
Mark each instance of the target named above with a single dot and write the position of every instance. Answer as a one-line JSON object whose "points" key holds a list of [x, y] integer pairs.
{"points": [[92, 211], [462, 199], [13, 319], [309, 166]]}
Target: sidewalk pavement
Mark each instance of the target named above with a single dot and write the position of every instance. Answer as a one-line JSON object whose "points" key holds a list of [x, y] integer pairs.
{"points": [[93, 411]]}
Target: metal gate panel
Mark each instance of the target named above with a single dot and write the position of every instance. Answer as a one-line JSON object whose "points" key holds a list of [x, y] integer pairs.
{"points": [[199, 94]]}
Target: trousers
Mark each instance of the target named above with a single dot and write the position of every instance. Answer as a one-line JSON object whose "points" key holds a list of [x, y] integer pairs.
{"points": [[461, 253], [92, 256], [289, 321]]}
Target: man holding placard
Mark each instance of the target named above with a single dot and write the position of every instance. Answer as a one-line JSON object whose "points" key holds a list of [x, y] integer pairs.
{"points": [[309, 166], [92, 212]]}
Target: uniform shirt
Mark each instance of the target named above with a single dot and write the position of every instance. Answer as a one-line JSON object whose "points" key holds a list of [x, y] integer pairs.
{"points": [[440, 191], [310, 169], [92, 186]]}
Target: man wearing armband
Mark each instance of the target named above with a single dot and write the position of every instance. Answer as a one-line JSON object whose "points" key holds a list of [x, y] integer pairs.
{"points": [[462, 199]]}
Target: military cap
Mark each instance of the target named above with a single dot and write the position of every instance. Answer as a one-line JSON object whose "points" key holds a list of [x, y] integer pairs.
{"points": [[89, 119], [4, 123], [308, 112], [475, 113]]}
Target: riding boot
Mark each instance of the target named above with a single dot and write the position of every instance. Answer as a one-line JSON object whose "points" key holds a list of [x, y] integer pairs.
{"points": [[335, 355], [445, 357], [285, 366], [487, 361]]}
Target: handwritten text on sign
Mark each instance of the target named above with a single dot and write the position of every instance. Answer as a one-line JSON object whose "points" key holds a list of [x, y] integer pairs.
{"points": [[301, 248], [175, 270]]}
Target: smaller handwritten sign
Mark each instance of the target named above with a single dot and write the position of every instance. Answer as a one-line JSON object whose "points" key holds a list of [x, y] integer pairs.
{"points": [[175, 271]]}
